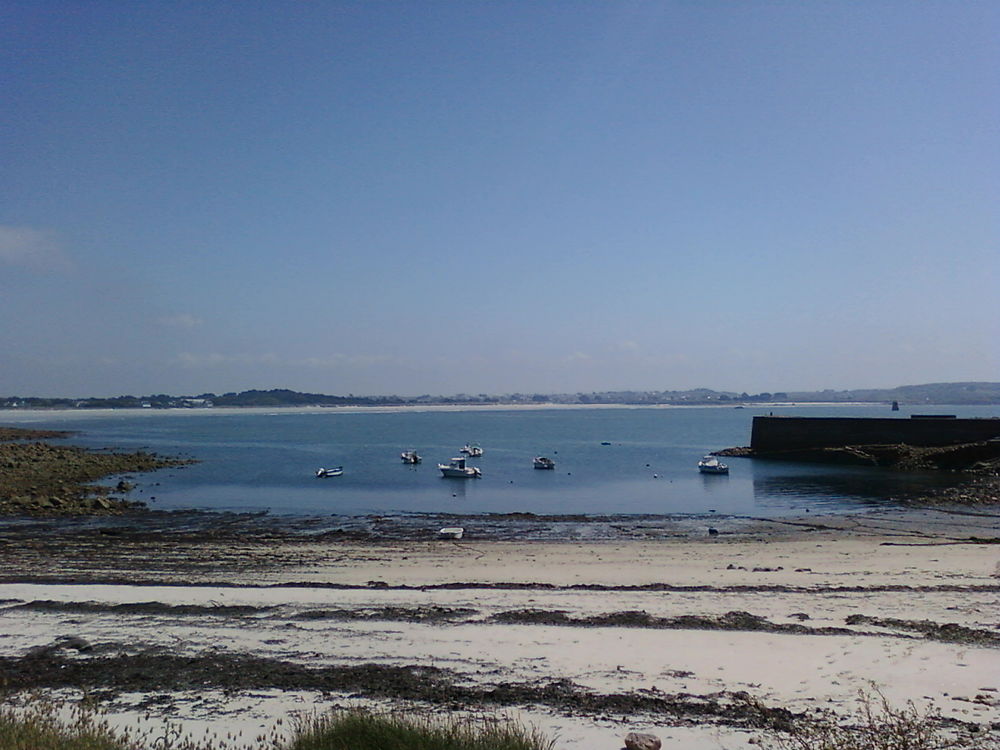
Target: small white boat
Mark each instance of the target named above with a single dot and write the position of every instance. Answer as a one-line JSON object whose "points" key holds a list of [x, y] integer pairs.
{"points": [[472, 450], [712, 465], [451, 532], [541, 462], [334, 471], [457, 468], [410, 457]]}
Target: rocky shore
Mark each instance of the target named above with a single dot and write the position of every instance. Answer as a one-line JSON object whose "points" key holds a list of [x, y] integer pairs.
{"points": [[978, 463], [40, 479], [981, 458]]}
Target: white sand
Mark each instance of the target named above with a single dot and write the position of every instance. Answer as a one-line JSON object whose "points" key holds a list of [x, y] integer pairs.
{"points": [[823, 577]]}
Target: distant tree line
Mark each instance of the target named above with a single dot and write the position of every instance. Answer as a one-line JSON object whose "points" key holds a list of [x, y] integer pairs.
{"points": [[933, 393]]}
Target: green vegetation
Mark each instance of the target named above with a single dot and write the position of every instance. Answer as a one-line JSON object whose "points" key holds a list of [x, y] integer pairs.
{"points": [[39, 727], [363, 730], [42, 724]]}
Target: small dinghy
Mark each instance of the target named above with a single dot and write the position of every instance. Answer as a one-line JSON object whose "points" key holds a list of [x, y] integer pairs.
{"points": [[335, 471], [451, 532]]}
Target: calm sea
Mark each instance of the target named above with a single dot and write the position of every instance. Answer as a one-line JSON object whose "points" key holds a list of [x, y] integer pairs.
{"points": [[257, 461]]}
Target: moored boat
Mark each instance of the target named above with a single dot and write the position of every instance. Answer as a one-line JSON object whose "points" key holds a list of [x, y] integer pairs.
{"points": [[334, 471], [410, 457], [712, 465], [542, 462], [456, 468], [472, 450]]}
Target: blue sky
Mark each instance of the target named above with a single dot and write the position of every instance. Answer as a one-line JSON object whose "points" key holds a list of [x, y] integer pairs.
{"points": [[444, 197]]}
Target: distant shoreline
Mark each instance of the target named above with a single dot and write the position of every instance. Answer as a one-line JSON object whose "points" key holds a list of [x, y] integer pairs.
{"points": [[398, 409]]}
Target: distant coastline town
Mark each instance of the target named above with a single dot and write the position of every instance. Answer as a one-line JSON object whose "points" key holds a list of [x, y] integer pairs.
{"points": [[974, 393]]}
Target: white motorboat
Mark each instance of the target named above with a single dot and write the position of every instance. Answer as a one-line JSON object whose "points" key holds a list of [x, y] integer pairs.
{"points": [[541, 462], [334, 471], [472, 450], [410, 457], [712, 465], [456, 468]]}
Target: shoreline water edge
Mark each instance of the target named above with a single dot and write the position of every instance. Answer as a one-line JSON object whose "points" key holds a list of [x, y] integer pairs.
{"points": [[710, 632]]}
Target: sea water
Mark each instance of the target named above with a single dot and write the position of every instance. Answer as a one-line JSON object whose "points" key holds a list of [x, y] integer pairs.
{"points": [[610, 461]]}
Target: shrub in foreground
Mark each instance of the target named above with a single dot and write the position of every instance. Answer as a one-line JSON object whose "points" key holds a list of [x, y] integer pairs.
{"points": [[879, 726], [44, 724], [37, 727]]}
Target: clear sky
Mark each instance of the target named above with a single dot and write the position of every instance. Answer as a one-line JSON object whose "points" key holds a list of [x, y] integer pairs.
{"points": [[495, 197]]}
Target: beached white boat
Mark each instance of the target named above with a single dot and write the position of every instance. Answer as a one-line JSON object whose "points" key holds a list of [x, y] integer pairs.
{"points": [[456, 468], [451, 532], [712, 465], [472, 450], [410, 457], [541, 462], [334, 471]]}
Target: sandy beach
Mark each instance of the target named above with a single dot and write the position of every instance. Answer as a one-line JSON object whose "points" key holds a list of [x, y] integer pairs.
{"points": [[708, 641]]}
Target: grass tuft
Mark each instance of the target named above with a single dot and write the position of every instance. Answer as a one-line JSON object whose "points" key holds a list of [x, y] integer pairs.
{"points": [[877, 725], [366, 730], [43, 723], [38, 727]]}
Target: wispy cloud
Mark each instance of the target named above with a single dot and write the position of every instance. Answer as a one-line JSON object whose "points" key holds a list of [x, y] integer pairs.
{"points": [[181, 320], [216, 359], [34, 249], [335, 361], [328, 362]]}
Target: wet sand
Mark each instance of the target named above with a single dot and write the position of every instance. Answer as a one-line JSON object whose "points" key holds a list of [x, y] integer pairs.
{"points": [[706, 640]]}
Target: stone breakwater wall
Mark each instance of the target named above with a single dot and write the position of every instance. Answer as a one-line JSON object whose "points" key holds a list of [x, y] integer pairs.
{"points": [[771, 434]]}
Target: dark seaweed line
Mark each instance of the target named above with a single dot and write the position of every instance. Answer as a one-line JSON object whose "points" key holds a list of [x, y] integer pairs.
{"points": [[157, 672], [735, 621], [77, 580]]}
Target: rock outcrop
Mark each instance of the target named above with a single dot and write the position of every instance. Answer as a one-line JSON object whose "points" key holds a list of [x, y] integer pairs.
{"points": [[39, 478]]}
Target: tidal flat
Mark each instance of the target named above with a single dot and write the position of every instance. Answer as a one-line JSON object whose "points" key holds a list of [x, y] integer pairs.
{"points": [[709, 641]]}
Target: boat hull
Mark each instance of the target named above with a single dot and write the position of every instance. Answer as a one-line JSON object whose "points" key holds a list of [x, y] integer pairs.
{"points": [[712, 465], [451, 473]]}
